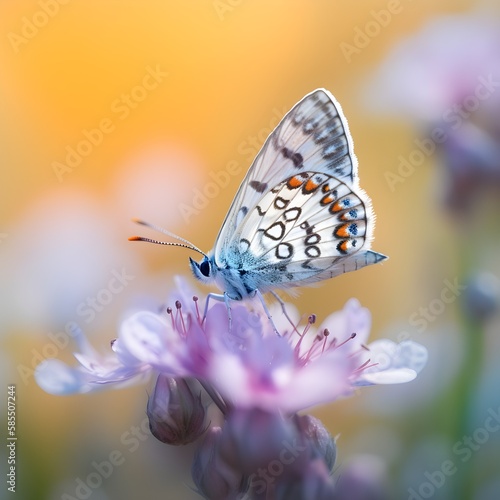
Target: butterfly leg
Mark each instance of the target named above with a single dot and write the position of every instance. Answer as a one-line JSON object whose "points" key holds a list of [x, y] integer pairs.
{"points": [[283, 308], [221, 297], [266, 310]]}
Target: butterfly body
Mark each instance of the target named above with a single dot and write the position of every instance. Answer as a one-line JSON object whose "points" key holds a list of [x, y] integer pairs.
{"points": [[299, 216]]}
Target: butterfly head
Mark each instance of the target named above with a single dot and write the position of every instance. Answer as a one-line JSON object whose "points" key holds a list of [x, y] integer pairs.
{"points": [[203, 270]]}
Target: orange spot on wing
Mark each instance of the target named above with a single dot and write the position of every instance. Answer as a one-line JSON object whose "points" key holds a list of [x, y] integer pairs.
{"points": [[295, 182], [327, 199], [336, 207], [343, 247], [325, 188], [343, 231], [310, 186]]}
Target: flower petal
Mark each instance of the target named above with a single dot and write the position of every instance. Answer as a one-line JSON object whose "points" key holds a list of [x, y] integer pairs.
{"points": [[396, 376], [56, 377], [393, 363]]}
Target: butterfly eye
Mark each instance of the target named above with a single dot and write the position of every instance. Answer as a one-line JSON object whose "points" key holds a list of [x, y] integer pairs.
{"points": [[205, 268]]}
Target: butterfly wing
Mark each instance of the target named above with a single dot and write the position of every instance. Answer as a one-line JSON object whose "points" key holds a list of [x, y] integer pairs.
{"points": [[299, 215], [314, 133]]}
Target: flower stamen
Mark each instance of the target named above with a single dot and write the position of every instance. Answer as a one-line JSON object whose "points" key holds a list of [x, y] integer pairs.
{"points": [[169, 312], [364, 366], [198, 317], [326, 334], [310, 321], [352, 336], [178, 306], [362, 348]]}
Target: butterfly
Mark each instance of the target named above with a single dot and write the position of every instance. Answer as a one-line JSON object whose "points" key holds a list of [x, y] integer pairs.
{"points": [[299, 215]]}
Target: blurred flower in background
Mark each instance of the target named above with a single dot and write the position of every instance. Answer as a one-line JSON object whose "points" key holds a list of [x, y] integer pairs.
{"points": [[446, 80]]}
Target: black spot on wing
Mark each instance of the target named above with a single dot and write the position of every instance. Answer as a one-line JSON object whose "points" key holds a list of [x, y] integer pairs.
{"points": [[312, 239], [307, 227], [260, 187], [275, 231], [312, 251], [284, 251], [244, 245], [309, 126], [306, 264], [292, 214], [296, 158], [281, 203]]}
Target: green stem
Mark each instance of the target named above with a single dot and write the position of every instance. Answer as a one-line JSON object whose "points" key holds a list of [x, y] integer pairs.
{"points": [[464, 399], [467, 382]]}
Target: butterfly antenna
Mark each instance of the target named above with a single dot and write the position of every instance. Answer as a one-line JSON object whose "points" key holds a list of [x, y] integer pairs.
{"points": [[185, 243]]}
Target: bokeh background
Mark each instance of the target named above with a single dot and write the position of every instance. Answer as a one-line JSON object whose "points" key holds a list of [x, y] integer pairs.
{"points": [[172, 149]]}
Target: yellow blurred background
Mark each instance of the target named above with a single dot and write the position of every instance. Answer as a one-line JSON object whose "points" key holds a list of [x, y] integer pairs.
{"points": [[167, 95]]}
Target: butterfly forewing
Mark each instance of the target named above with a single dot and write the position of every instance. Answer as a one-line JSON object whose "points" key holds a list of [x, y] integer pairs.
{"points": [[313, 136]]}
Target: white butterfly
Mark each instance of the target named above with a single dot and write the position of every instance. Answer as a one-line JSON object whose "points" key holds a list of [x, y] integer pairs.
{"points": [[299, 215]]}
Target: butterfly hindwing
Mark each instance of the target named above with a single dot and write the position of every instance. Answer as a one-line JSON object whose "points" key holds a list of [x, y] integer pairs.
{"points": [[306, 225]]}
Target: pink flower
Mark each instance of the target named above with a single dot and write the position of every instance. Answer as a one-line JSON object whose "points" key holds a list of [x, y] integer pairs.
{"points": [[249, 365], [308, 366], [258, 380], [446, 77], [428, 73]]}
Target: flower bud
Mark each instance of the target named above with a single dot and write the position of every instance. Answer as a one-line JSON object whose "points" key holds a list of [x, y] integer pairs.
{"points": [[212, 477], [253, 439], [482, 296], [314, 432], [313, 482], [176, 415]]}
